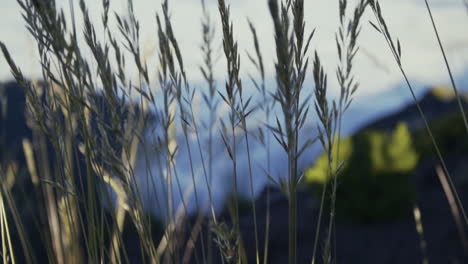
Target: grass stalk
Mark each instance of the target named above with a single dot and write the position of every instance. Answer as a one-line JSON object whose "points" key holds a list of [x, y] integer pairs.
{"points": [[265, 106], [395, 49], [346, 41], [291, 68], [207, 70], [447, 65], [233, 88]]}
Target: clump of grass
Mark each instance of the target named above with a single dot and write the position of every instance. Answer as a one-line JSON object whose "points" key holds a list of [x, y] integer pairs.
{"points": [[48, 26], [85, 112], [69, 110]]}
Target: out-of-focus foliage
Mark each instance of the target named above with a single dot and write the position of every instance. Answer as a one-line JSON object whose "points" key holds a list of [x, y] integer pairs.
{"points": [[450, 134], [374, 182], [402, 157], [319, 172], [446, 93]]}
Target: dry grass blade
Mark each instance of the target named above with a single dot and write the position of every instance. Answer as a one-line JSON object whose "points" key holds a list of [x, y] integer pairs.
{"points": [[454, 209], [420, 230]]}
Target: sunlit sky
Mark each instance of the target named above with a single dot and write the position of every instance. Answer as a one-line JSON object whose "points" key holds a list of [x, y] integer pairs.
{"points": [[375, 68]]}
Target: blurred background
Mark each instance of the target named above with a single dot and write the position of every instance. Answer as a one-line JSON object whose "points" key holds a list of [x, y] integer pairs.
{"points": [[382, 130]]}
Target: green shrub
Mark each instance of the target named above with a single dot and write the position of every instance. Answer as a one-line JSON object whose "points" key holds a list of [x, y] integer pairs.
{"points": [[374, 182], [450, 133]]}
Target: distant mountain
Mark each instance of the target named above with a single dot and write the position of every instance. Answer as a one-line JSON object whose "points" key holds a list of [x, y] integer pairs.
{"points": [[435, 103]]}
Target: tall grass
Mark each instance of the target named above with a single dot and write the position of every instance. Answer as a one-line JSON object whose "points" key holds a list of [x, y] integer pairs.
{"points": [[396, 50], [93, 122]]}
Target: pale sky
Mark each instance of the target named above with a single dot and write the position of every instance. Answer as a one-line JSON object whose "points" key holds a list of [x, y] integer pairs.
{"points": [[407, 19]]}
